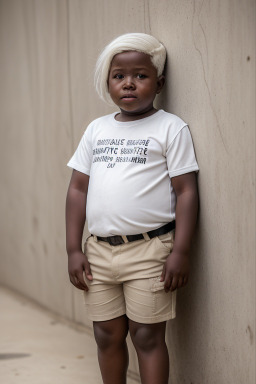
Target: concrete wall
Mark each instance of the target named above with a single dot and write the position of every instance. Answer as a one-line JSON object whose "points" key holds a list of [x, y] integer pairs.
{"points": [[48, 50]]}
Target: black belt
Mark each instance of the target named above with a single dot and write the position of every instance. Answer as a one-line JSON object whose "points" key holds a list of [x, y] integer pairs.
{"points": [[118, 240]]}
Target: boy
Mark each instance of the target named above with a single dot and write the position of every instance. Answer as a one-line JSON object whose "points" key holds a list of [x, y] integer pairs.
{"points": [[138, 167]]}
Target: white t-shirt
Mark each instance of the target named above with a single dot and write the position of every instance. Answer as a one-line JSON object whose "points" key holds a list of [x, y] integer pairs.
{"points": [[130, 166]]}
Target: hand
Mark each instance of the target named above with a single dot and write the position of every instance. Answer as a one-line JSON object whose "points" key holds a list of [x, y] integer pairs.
{"points": [[77, 263], [175, 271]]}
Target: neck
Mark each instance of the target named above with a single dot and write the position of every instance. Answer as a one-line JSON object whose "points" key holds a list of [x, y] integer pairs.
{"points": [[130, 116]]}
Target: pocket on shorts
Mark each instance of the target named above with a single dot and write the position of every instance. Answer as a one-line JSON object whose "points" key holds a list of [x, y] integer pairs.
{"points": [[156, 285], [166, 240], [164, 303]]}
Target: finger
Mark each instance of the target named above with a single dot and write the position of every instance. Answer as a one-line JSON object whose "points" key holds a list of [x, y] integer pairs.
{"points": [[88, 272], [76, 283], [174, 283], [168, 282], [163, 274], [82, 287], [80, 281], [180, 282], [185, 281]]}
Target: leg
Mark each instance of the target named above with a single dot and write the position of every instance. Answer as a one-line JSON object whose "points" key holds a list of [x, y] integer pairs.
{"points": [[149, 342], [112, 349]]}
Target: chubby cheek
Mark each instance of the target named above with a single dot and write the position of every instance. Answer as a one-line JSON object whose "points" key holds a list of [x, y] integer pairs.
{"points": [[112, 89], [113, 95], [110, 86]]}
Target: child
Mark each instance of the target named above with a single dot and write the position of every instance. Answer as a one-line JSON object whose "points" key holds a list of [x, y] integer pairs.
{"points": [[135, 172]]}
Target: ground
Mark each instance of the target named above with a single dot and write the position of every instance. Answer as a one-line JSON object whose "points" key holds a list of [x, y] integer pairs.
{"points": [[37, 347]]}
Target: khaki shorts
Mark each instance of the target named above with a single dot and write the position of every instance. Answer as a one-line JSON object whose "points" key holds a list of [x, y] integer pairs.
{"points": [[126, 280]]}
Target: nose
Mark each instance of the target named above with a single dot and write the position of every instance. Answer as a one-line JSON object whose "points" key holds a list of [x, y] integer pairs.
{"points": [[128, 83]]}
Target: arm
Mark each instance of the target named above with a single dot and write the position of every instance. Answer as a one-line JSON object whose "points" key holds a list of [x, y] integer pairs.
{"points": [[176, 269], [75, 220]]}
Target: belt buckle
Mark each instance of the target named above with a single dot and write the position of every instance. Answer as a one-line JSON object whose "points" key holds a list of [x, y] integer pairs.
{"points": [[115, 240]]}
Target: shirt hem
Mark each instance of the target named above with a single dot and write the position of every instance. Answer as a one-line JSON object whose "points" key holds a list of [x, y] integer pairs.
{"points": [[182, 171], [79, 168]]}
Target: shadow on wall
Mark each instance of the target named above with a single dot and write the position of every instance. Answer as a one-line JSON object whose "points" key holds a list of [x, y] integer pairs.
{"points": [[188, 322], [181, 330], [163, 101]]}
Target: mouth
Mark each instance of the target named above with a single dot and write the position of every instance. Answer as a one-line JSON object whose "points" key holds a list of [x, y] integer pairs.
{"points": [[128, 97]]}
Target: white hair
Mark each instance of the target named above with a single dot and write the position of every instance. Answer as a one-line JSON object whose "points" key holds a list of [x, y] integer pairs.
{"points": [[140, 42]]}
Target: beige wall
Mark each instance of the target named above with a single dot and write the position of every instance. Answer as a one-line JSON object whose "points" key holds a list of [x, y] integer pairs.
{"points": [[48, 50]]}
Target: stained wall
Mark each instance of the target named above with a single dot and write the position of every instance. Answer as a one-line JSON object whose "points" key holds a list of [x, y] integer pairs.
{"points": [[48, 51]]}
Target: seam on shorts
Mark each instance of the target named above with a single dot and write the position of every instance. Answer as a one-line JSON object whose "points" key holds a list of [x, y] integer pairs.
{"points": [[151, 320], [109, 316]]}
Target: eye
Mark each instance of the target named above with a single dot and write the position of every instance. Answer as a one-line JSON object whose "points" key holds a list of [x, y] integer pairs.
{"points": [[118, 76], [141, 76]]}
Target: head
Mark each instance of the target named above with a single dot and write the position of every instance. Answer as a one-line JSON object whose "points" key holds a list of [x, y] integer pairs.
{"points": [[138, 42]]}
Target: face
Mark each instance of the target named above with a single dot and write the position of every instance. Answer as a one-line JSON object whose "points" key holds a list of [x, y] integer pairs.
{"points": [[133, 84]]}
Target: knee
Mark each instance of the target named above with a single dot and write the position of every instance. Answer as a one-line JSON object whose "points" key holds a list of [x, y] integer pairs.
{"points": [[145, 338], [108, 336]]}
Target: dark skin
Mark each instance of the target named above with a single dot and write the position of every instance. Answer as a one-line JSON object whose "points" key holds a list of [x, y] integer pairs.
{"points": [[176, 269], [133, 84]]}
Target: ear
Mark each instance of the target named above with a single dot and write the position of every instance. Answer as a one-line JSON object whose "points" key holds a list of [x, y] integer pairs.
{"points": [[160, 83]]}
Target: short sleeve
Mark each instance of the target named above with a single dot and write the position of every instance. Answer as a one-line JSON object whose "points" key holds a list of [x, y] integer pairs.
{"points": [[180, 154], [82, 158]]}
